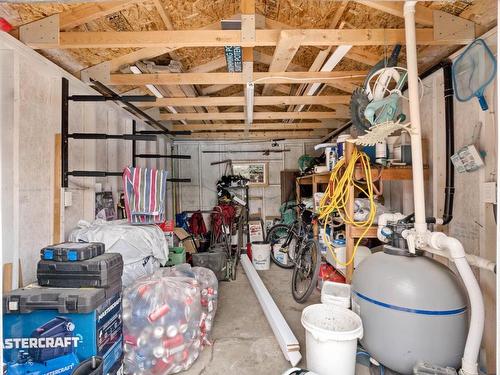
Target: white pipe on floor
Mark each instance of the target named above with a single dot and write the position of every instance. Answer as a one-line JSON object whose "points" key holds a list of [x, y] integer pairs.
{"points": [[456, 252], [414, 98], [286, 339]]}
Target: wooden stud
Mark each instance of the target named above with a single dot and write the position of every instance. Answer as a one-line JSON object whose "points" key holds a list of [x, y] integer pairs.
{"points": [[288, 45], [204, 101], [300, 134], [257, 116], [209, 90], [234, 78], [7, 277], [163, 15], [363, 56], [219, 38]]}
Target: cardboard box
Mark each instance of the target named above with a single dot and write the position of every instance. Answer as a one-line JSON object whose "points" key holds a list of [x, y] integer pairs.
{"points": [[186, 240]]}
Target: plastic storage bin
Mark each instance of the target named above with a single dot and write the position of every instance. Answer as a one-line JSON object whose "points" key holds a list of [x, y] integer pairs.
{"points": [[52, 330], [216, 261], [338, 294]]}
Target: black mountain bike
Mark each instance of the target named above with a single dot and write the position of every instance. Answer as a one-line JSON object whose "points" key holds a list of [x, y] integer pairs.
{"points": [[293, 246]]}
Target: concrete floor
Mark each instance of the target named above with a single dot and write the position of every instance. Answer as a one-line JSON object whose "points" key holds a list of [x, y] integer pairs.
{"points": [[243, 342]]}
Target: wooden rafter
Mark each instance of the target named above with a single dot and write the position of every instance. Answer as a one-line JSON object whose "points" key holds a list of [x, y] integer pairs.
{"points": [[220, 38], [423, 15], [91, 11], [146, 53], [215, 64], [234, 78], [257, 116], [205, 101], [287, 47]]}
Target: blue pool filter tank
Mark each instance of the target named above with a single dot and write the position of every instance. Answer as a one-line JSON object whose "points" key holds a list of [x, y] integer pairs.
{"points": [[413, 309]]}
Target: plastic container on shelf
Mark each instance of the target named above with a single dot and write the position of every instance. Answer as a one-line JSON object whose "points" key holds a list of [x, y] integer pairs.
{"points": [[337, 294], [332, 334]]}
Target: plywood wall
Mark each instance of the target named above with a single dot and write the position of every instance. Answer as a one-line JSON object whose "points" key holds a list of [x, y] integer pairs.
{"points": [[473, 219], [31, 117]]}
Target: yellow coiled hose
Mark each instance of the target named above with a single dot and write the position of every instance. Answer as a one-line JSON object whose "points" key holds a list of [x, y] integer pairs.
{"points": [[337, 195]]}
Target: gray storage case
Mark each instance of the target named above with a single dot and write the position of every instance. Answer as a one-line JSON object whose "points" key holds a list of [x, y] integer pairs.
{"points": [[100, 272], [64, 300]]}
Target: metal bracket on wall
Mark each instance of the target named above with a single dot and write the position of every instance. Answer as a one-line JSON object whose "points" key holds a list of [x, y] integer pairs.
{"points": [[134, 137]]}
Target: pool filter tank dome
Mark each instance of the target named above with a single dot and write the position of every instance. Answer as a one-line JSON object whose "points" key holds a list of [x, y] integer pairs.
{"points": [[413, 309]]}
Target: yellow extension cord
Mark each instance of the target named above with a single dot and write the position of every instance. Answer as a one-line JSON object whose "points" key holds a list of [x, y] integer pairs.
{"points": [[336, 200]]}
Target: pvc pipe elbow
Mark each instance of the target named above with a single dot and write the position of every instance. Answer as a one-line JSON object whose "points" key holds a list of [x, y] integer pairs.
{"points": [[441, 241]]}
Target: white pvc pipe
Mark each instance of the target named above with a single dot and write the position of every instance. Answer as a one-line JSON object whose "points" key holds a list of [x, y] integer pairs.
{"points": [[473, 260], [416, 141], [473, 344], [286, 339]]}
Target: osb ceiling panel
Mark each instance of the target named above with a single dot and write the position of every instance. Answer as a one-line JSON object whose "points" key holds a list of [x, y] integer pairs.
{"points": [[195, 14]]}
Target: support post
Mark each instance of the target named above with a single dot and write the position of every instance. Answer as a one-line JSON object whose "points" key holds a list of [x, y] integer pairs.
{"points": [[350, 240]]}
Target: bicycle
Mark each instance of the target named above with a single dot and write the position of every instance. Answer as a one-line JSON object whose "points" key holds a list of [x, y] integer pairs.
{"points": [[298, 250]]}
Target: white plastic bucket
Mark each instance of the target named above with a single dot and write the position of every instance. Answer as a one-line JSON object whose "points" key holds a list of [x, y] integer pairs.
{"points": [[332, 334], [261, 255], [337, 294], [279, 255]]}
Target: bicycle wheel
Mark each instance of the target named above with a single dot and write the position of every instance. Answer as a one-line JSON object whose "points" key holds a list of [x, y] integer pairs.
{"points": [[279, 234], [306, 270]]}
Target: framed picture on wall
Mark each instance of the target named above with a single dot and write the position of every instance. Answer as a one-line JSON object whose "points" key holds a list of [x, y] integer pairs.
{"points": [[255, 171]]}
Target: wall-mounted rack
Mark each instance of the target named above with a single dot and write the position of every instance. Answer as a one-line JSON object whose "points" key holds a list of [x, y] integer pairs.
{"points": [[109, 95]]}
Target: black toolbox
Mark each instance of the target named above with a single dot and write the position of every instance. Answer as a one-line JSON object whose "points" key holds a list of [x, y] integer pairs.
{"points": [[102, 271], [72, 251]]}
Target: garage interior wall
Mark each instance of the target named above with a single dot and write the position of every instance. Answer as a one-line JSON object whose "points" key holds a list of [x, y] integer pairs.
{"points": [[30, 119], [201, 193]]}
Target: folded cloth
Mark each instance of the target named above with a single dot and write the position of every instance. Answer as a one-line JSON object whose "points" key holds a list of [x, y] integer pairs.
{"points": [[145, 190]]}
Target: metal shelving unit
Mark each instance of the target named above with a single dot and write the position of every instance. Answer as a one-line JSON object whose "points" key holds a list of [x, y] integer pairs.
{"points": [[109, 95]]}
